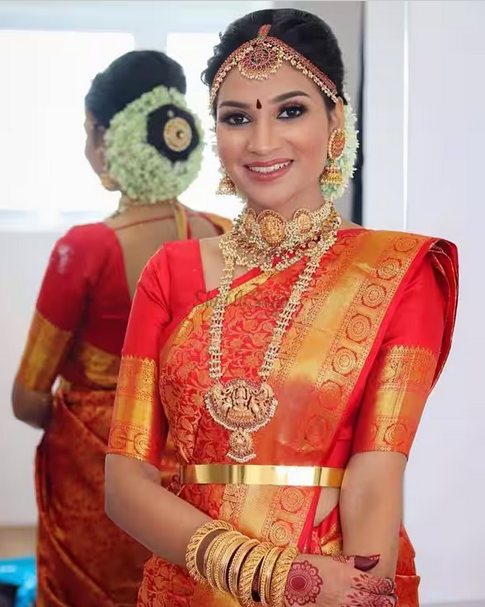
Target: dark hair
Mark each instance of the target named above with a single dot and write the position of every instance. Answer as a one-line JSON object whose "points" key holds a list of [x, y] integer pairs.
{"points": [[129, 77], [305, 32]]}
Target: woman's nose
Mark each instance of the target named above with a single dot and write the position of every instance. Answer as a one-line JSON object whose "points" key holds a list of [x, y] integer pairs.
{"points": [[264, 138]]}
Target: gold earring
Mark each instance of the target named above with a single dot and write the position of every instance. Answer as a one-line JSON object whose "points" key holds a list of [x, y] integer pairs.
{"points": [[108, 182], [332, 175], [226, 186]]}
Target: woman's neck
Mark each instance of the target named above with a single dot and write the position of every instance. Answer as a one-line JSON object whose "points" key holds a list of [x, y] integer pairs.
{"points": [[310, 199], [137, 208]]}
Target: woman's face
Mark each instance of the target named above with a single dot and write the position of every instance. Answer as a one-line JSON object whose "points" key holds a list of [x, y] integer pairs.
{"points": [[272, 138], [93, 149]]}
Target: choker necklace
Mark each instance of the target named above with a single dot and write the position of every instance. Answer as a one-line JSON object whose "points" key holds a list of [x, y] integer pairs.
{"points": [[242, 406], [257, 241]]}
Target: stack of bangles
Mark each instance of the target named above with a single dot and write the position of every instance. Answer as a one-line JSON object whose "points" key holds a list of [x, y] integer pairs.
{"points": [[251, 571]]}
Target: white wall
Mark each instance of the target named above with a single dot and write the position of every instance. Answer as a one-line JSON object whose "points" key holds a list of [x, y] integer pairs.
{"points": [[23, 258], [445, 492], [385, 107], [424, 158]]}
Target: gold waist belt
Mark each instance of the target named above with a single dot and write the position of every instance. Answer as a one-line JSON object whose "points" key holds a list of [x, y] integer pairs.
{"points": [[249, 474]]}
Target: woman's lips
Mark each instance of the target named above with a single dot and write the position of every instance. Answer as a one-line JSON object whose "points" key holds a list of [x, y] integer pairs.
{"points": [[268, 171]]}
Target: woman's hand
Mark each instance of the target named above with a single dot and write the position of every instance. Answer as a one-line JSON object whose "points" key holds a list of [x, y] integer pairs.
{"points": [[335, 582], [32, 407]]}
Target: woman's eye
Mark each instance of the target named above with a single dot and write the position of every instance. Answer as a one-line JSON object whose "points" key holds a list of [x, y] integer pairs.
{"points": [[290, 112], [235, 119]]}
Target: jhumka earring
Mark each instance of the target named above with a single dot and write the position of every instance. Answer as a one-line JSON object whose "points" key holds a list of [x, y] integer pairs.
{"points": [[226, 186], [108, 182], [336, 145]]}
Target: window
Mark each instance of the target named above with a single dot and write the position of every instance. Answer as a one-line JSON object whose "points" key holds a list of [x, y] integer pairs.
{"points": [[201, 195], [45, 76]]}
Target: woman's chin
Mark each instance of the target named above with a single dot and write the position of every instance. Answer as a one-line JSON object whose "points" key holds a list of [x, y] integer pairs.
{"points": [[274, 198]]}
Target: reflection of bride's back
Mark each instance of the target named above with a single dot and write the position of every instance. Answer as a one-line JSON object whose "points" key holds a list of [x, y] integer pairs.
{"points": [[80, 321]]}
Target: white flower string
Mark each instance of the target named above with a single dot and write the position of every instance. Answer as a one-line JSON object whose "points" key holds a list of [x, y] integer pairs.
{"points": [[142, 172]]}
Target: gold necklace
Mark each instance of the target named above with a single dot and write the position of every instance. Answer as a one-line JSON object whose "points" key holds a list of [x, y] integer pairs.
{"points": [[259, 239], [242, 406]]}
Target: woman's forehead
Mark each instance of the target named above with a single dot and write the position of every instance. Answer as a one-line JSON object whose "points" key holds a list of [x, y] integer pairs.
{"points": [[236, 87]]}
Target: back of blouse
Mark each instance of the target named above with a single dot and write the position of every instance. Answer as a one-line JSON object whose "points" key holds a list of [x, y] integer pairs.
{"points": [[83, 307]]}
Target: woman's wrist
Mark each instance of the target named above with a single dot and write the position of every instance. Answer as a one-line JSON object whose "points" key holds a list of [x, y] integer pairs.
{"points": [[250, 570], [199, 546], [46, 402]]}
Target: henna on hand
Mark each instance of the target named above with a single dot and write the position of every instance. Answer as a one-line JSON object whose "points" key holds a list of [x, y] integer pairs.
{"points": [[303, 585], [375, 585], [359, 598]]}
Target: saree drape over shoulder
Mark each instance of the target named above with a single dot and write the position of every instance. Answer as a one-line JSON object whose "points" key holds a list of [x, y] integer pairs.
{"points": [[353, 374], [75, 339]]}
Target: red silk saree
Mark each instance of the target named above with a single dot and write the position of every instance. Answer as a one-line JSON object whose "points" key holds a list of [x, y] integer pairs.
{"points": [[353, 374]]}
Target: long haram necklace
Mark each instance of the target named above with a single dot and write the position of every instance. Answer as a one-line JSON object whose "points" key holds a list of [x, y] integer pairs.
{"points": [[241, 406]]}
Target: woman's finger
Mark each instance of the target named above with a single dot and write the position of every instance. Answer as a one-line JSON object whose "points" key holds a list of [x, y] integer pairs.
{"points": [[362, 563], [374, 585], [360, 598]]}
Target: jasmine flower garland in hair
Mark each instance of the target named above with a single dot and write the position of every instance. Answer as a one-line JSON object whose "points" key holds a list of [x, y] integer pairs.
{"points": [[141, 170]]}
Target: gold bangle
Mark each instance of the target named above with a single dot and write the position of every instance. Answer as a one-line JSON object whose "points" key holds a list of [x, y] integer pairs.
{"points": [[205, 565], [194, 545], [226, 557], [235, 567], [248, 572], [214, 554], [280, 575], [266, 573]]}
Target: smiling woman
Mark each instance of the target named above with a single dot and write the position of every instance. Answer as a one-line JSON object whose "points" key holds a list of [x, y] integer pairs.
{"points": [[293, 389]]}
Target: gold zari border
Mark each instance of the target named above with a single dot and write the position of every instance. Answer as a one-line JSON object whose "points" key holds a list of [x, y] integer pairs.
{"points": [[46, 345], [99, 367], [136, 408], [399, 392]]}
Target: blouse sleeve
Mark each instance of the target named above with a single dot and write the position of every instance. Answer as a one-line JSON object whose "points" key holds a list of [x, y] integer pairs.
{"points": [[139, 427], [58, 312], [409, 361]]}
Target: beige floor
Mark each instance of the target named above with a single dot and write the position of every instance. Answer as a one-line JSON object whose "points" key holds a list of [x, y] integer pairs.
{"points": [[16, 541]]}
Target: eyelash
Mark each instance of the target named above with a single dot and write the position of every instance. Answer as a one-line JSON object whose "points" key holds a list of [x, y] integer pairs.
{"points": [[229, 118]]}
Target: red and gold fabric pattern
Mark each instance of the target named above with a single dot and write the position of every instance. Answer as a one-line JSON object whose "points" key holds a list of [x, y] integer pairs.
{"points": [[136, 407], [46, 345], [399, 387]]}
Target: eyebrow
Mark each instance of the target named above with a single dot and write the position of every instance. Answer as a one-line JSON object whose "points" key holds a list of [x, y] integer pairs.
{"points": [[238, 104], [289, 95], [277, 99]]}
